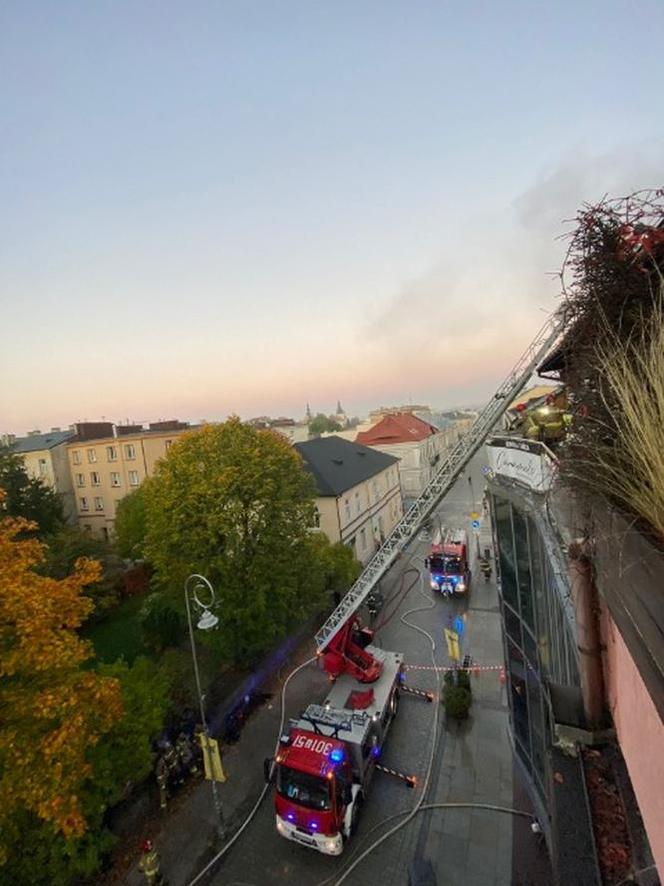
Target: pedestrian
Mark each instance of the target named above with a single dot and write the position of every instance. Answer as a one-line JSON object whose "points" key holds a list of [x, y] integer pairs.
{"points": [[149, 864]]}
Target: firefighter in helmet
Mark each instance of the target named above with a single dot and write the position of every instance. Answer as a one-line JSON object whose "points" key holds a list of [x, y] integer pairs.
{"points": [[149, 863]]}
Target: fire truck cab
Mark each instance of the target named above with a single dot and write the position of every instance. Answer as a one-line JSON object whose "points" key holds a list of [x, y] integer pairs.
{"points": [[448, 562], [327, 757]]}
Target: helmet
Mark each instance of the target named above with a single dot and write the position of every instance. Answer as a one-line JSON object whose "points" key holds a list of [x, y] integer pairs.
{"points": [[146, 845]]}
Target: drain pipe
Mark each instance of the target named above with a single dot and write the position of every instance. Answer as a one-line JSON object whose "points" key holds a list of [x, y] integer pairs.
{"points": [[588, 636]]}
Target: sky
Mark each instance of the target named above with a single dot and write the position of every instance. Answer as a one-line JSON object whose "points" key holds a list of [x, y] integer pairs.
{"points": [[210, 208]]}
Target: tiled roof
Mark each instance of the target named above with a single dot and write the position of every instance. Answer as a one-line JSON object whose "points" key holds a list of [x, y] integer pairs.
{"points": [[337, 465], [401, 428]]}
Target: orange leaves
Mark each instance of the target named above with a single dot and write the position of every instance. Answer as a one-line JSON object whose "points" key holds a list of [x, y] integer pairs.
{"points": [[52, 710]]}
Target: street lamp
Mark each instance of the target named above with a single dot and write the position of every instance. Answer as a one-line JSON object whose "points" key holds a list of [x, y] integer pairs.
{"points": [[207, 620]]}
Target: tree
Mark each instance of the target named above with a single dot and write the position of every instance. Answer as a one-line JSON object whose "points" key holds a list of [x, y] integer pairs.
{"points": [[130, 526], [53, 711], [339, 566], [27, 497], [122, 757], [66, 546], [236, 504], [322, 424]]}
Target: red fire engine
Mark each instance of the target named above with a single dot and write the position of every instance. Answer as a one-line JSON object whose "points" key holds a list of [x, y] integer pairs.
{"points": [[327, 757], [448, 562]]}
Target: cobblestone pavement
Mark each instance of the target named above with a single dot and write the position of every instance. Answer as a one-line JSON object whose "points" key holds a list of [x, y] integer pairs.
{"points": [[472, 762]]}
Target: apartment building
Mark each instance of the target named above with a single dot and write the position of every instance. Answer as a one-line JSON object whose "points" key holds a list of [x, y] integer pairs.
{"points": [[106, 462], [359, 494], [45, 458], [417, 444]]}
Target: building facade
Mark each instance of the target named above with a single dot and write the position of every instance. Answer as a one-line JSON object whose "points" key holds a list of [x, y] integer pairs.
{"points": [[45, 458], [359, 495], [107, 462], [571, 686], [417, 444]]}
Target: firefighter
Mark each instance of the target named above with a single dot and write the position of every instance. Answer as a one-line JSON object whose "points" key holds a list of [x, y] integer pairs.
{"points": [[172, 764], [149, 864], [161, 771], [485, 568]]}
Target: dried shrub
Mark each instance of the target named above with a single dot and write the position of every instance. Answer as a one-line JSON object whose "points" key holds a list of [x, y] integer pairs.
{"points": [[612, 350]]}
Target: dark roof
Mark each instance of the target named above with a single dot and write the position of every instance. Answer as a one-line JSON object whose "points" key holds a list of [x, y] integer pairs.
{"points": [[337, 464], [35, 442]]}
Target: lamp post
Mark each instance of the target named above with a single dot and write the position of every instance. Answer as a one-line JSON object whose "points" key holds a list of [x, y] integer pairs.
{"points": [[208, 620]]}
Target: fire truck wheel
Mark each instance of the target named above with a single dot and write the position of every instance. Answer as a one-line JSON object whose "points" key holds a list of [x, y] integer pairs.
{"points": [[355, 817], [394, 704]]}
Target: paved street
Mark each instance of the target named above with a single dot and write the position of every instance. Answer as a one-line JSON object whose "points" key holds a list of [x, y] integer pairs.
{"points": [[472, 762]]}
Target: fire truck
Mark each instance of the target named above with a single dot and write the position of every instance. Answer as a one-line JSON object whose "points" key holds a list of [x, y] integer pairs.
{"points": [[327, 757], [448, 562]]}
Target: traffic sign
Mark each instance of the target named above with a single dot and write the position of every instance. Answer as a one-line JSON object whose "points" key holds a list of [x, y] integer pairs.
{"points": [[475, 524], [474, 515]]}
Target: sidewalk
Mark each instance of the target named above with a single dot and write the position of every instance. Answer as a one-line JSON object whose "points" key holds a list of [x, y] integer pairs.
{"points": [[187, 837]]}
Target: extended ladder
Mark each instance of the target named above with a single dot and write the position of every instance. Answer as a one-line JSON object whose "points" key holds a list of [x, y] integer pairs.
{"points": [[443, 481]]}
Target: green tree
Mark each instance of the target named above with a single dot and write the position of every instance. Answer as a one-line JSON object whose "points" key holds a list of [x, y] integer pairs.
{"points": [[323, 424], [27, 497], [161, 622], [338, 564], [236, 504], [66, 546], [130, 526]]}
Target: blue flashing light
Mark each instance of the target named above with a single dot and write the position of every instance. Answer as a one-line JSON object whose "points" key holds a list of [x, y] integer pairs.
{"points": [[375, 751], [337, 755], [313, 825], [290, 816], [402, 676]]}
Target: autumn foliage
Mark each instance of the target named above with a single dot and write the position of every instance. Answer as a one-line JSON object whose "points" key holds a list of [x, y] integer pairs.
{"points": [[51, 709]]}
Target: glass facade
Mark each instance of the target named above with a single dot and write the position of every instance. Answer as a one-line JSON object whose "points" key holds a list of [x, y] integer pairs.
{"points": [[539, 646]]}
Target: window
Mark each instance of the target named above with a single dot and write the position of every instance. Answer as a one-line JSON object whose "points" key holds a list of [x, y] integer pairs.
{"points": [[115, 478], [347, 509], [43, 469], [99, 503], [76, 457], [130, 451], [92, 456], [133, 478], [104, 533], [84, 503], [80, 480], [375, 490], [363, 538], [112, 453], [95, 479], [358, 504]]}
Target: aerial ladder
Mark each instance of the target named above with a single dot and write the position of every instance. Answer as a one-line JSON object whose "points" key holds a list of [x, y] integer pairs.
{"points": [[341, 643]]}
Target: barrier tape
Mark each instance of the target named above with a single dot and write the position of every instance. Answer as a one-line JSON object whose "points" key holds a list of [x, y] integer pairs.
{"points": [[472, 667]]}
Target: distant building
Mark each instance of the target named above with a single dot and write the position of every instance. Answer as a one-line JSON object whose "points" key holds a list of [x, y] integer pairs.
{"points": [[45, 458], [359, 496], [293, 431], [417, 444], [107, 461]]}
